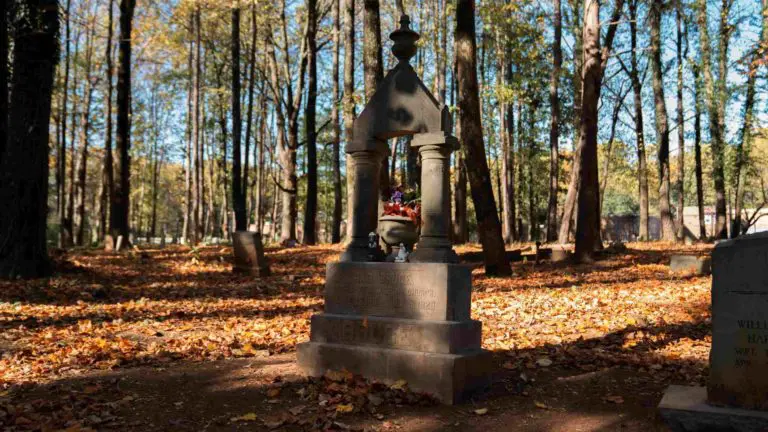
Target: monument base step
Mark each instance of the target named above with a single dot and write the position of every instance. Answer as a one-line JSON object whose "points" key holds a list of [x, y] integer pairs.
{"points": [[445, 337], [451, 378], [685, 409]]}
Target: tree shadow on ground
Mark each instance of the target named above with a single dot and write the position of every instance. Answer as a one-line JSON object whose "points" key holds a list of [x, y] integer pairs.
{"points": [[246, 311], [101, 278]]}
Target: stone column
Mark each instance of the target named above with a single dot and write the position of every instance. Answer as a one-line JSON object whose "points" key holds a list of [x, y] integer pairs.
{"points": [[363, 199], [434, 241]]}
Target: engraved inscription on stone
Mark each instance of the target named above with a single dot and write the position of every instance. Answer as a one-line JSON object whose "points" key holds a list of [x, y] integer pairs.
{"points": [[751, 343], [386, 290], [375, 333]]}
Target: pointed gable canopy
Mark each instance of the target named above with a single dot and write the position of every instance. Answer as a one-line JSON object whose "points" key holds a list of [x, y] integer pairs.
{"points": [[401, 105]]}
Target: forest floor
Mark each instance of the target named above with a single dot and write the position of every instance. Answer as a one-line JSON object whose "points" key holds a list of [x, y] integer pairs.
{"points": [[171, 339]]}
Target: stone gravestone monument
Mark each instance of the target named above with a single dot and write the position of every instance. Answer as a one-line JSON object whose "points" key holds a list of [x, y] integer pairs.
{"points": [[736, 397], [249, 254], [401, 321]]}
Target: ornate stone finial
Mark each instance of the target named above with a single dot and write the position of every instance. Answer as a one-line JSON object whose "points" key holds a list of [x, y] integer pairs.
{"points": [[405, 40]]}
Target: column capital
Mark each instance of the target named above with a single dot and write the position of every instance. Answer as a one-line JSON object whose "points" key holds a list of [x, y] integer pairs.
{"points": [[435, 139]]}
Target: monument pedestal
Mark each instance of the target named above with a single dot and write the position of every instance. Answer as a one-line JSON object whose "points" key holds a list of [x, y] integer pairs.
{"points": [[394, 321], [685, 409]]}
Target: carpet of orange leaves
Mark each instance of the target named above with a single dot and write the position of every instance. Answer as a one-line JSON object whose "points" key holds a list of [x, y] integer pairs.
{"points": [[161, 307]]}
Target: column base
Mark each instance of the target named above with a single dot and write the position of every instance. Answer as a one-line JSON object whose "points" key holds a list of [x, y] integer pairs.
{"points": [[451, 378], [434, 255]]}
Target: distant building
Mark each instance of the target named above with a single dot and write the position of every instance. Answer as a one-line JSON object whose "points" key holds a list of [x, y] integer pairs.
{"points": [[691, 220], [626, 227]]}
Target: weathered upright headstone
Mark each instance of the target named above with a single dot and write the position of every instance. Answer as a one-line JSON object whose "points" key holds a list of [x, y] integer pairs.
{"points": [[249, 253], [738, 362], [690, 264], [736, 396], [401, 321]]}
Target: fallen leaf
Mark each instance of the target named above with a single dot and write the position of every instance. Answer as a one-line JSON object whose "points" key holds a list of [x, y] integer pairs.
{"points": [[345, 408], [244, 418], [481, 411], [399, 385]]}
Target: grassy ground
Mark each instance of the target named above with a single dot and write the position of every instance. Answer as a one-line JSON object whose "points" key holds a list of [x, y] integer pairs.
{"points": [[171, 339]]}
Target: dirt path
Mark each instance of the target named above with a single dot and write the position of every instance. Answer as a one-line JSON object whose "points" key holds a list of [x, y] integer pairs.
{"points": [[211, 396]]}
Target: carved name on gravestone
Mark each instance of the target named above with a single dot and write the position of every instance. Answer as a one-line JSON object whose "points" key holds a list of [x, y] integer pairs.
{"points": [[427, 291], [739, 356]]}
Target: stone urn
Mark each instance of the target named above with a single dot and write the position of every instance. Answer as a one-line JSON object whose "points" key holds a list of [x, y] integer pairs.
{"points": [[398, 229]]}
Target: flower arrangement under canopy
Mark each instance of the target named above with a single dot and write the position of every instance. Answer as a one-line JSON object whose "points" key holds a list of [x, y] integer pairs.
{"points": [[405, 203]]}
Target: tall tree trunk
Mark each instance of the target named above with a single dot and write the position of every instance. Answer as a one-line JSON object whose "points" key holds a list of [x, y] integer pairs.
{"points": [[349, 95], [61, 169], [121, 202], [107, 171], [504, 143], [594, 62], [4, 23], [531, 157], [609, 148], [680, 123], [489, 227], [249, 122], [713, 102], [642, 169], [336, 154], [69, 225], [196, 220], [310, 209], [509, 164], [554, 130], [24, 163], [222, 163], [662, 125], [460, 228], [82, 163], [155, 166], [586, 235], [261, 175], [238, 191], [698, 96], [373, 67], [569, 206], [292, 103], [745, 142], [187, 225], [442, 71]]}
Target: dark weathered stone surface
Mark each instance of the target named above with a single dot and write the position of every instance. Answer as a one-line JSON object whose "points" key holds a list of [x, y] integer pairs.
{"points": [[249, 253], [739, 355], [429, 291], [559, 254], [690, 264], [447, 337], [451, 378], [685, 409]]}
